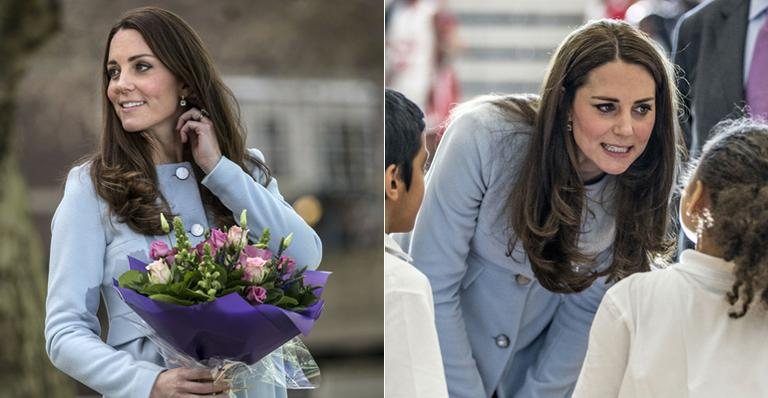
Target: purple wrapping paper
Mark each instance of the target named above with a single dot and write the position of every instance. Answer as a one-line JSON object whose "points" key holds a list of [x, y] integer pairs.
{"points": [[228, 327]]}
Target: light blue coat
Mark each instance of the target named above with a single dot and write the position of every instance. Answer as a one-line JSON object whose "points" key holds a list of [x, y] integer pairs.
{"points": [[499, 330], [89, 247]]}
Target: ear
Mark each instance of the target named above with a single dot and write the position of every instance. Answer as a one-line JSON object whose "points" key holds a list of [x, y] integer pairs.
{"points": [[392, 183], [694, 200], [184, 89]]}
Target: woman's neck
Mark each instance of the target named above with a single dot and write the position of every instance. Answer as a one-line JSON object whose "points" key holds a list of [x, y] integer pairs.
{"points": [[166, 145]]}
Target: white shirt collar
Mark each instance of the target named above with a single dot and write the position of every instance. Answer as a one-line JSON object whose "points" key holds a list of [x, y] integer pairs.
{"points": [[391, 246], [756, 7]]}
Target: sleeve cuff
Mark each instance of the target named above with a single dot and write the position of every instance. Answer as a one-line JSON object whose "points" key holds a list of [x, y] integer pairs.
{"points": [[220, 173]]}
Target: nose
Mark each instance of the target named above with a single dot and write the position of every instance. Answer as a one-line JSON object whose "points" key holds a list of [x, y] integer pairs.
{"points": [[123, 84], [624, 124]]}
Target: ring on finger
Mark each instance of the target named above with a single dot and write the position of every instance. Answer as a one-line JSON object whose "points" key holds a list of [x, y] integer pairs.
{"points": [[197, 117], [204, 113]]}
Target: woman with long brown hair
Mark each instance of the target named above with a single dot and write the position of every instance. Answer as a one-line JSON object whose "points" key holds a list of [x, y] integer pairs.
{"points": [[171, 143], [534, 204]]}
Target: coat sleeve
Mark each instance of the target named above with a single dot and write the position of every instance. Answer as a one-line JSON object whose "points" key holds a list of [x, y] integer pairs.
{"points": [[441, 239], [557, 367], [75, 276], [266, 207], [607, 355]]}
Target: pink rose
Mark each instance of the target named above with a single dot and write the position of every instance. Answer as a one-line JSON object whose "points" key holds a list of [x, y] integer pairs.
{"points": [[257, 294], [158, 249], [218, 238], [254, 269], [159, 272], [253, 251], [286, 264], [200, 248], [237, 237]]}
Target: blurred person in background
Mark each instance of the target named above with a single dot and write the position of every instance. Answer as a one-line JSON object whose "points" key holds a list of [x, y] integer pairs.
{"points": [[171, 143], [411, 42], [532, 207], [612, 9], [721, 48], [658, 18], [421, 42], [413, 366]]}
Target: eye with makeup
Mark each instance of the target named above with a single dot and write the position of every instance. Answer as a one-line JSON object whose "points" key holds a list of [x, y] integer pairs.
{"points": [[643, 108], [605, 107], [113, 72], [142, 66]]}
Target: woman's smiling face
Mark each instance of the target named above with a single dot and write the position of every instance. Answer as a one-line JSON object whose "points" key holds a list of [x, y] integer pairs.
{"points": [[613, 116], [143, 91]]}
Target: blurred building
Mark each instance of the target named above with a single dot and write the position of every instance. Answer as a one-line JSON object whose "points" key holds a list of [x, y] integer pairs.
{"points": [[319, 137], [507, 44]]}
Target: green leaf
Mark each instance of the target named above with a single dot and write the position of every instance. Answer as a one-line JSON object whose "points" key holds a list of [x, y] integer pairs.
{"points": [[307, 299], [235, 275], [192, 295], [293, 290], [233, 289], [286, 302], [273, 295], [155, 288], [133, 279], [170, 299]]}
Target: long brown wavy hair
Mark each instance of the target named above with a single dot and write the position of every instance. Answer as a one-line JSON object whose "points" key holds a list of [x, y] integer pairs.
{"points": [[734, 169], [122, 168], [548, 202]]}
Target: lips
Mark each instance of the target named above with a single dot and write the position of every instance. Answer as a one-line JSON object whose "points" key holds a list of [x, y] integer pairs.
{"points": [[131, 104], [615, 148]]}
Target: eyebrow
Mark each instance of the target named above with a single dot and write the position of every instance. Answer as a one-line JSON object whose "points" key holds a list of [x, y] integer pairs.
{"points": [[617, 100], [131, 58]]}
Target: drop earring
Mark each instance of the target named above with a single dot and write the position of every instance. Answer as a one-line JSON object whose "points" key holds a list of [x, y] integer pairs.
{"points": [[569, 126], [705, 221], [183, 102]]}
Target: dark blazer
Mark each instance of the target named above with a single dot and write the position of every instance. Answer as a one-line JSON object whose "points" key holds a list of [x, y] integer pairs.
{"points": [[709, 48]]}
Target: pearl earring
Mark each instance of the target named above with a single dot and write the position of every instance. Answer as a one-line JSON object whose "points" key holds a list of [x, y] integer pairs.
{"points": [[183, 101], [705, 221]]}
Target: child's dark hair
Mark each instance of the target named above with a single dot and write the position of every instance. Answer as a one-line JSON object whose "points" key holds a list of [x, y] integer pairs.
{"points": [[734, 169], [404, 124]]}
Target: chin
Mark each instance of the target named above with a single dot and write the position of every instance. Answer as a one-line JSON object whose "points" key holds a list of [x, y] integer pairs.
{"points": [[132, 128], [614, 169]]}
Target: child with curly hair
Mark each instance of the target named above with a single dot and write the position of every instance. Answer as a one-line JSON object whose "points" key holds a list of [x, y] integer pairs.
{"points": [[698, 328]]}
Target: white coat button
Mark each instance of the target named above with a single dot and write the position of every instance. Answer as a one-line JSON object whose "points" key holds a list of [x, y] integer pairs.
{"points": [[197, 229], [522, 279], [182, 173], [502, 341]]}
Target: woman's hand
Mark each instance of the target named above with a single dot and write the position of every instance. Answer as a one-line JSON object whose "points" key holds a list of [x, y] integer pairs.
{"points": [[187, 383], [197, 129]]}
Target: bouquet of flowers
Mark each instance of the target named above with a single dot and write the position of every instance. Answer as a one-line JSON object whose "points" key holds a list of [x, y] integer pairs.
{"points": [[224, 300]]}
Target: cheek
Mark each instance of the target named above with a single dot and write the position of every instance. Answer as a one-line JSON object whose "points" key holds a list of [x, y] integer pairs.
{"points": [[644, 131], [417, 191], [111, 93], [590, 130]]}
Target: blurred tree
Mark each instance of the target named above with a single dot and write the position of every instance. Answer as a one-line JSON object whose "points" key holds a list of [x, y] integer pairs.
{"points": [[25, 370]]}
